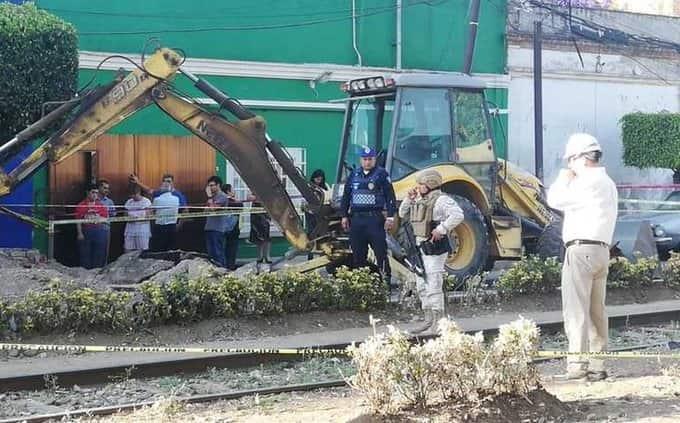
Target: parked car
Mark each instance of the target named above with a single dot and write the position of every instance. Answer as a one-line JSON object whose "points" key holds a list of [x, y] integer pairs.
{"points": [[665, 224]]}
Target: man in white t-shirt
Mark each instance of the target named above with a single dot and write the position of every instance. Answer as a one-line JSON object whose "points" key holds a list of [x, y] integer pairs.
{"points": [[137, 234], [166, 208]]}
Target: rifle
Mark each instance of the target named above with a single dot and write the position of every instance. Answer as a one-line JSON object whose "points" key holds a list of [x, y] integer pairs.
{"points": [[405, 249]]}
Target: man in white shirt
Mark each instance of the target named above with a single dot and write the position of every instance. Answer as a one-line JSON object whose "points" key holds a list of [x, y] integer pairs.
{"points": [[166, 207], [137, 234], [589, 200]]}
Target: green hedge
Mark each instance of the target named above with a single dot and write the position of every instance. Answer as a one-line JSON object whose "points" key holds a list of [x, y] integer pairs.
{"points": [[651, 140], [38, 63], [61, 309], [533, 274]]}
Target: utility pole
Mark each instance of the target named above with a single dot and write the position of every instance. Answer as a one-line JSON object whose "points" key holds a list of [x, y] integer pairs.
{"points": [[399, 34], [538, 100], [472, 36]]}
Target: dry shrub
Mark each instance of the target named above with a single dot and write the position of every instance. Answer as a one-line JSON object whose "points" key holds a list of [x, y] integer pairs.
{"points": [[457, 358], [508, 366], [672, 372], [374, 360], [394, 374]]}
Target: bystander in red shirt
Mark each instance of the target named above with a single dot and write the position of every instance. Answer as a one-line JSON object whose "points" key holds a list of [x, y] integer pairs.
{"points": [[87, 209]]}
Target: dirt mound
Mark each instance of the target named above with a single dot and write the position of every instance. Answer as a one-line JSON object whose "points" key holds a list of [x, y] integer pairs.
{"points": [[538, 406], [190, 269], [132, 268], [23, 271]]}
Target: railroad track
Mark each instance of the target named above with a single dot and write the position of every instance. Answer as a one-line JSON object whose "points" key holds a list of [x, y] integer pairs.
{"points": [[105, 411], [187, 366], [232, 395]]}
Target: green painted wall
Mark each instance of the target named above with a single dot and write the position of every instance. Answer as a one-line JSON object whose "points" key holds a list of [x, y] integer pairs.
{"points": [[435, 36], [295, 31], [291, 31]]}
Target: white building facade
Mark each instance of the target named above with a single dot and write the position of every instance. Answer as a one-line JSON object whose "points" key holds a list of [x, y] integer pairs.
{"points": [[587, 88]]}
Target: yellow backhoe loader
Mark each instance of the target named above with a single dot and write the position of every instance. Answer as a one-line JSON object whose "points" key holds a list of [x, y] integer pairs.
{"points": [[441, 121]]}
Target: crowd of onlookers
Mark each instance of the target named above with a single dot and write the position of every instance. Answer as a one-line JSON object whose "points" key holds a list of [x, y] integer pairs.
{"points": [[158, 213]]}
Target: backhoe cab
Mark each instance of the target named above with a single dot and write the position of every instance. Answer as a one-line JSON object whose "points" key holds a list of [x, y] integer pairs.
{"points": [[418, 121]]}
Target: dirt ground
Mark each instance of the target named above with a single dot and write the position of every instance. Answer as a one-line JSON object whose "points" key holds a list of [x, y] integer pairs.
{"points": [[637, 391]]}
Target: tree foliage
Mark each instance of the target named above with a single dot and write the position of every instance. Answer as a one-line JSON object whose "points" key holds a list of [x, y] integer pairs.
{"points": [[651, 140], [38, 63]]}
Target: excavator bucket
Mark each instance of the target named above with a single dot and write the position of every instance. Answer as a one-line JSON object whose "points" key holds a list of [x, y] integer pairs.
{"points": [[633, 238]]}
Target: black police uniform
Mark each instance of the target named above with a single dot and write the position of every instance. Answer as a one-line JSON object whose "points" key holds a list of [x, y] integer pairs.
{"points": [[365, 197]]}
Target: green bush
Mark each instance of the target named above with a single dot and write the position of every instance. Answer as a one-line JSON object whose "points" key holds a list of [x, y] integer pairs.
{"points": [[535, 275], [359, 289], [652, 140], [39, 63], [671, 271], [532, 274], [61, 308], [625, 274]]}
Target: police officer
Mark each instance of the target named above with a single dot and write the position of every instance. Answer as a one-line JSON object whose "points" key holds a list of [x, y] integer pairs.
{"points": [[589, 200], [367, 209]]}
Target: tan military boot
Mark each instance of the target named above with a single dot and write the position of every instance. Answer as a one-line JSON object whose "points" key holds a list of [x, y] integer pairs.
{"points": [[436, 316], [427, 322]]}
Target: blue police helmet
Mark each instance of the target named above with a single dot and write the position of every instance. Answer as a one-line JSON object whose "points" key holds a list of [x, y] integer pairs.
{"points": [[368, 152]]}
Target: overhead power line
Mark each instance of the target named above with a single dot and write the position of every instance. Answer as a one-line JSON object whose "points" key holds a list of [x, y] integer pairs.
{"points": [[218, 14], [262, 27], [602, 33], [593, 31]]}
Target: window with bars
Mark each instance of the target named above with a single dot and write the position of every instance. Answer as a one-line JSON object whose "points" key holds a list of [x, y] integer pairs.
{"points": [[241, 190]]}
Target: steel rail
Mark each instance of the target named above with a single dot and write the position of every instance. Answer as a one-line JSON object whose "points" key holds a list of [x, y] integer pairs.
{"points": [[103, 411]]}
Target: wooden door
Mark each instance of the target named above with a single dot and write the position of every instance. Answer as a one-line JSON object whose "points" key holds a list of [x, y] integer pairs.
{"points": [[68, 181], [114, 157]]}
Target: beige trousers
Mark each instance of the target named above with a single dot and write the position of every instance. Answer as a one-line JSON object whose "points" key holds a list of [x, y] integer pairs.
{"points": [[431, 287], [584, 279]]}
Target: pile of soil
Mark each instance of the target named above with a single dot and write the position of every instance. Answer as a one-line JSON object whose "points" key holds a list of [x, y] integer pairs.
{"points": [[23, 271], [538, 405]]}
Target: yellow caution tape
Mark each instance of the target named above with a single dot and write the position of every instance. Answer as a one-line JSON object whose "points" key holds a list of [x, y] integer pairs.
{"points": [[188, 350], [606, 354], [289, 351]]}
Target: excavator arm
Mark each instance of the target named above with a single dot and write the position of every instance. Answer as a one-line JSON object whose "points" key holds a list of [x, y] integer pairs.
{"points": [[243, 142]]}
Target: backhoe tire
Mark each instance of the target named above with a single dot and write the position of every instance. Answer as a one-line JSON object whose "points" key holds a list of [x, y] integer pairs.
{"points": [[470, 242], [549, 243]]}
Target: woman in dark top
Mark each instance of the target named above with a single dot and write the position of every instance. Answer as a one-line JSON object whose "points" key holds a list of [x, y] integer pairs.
{"points": [[318, 178], [259, 232]]}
